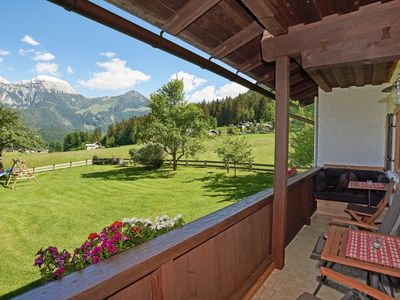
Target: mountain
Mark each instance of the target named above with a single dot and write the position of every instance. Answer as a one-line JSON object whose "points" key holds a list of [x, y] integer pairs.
{"points": [[54, 108]]}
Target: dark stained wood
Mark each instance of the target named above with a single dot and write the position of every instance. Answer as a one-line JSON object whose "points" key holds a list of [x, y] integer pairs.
{"points": [[187, 15], [250, 64], [238, 40], [366, 24], [141, 289], [307, 10], [281, 159], [352, 53], [320, 80], [267, 16]]}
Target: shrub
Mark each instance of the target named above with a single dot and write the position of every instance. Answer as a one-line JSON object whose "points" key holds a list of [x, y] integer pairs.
{"points": [[232, 130], [150, 155], [112, 240]]}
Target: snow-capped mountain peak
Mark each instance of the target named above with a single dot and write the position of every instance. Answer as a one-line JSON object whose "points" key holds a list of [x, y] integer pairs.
{"points": [[54, 84], [3, 80]]}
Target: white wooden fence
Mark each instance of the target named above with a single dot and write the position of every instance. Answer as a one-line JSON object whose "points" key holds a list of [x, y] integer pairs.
{"points": [[54, 167]]}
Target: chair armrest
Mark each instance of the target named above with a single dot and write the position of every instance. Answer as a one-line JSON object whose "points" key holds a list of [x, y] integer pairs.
{"points": [[354, 215], [355, 223], [355, 284], [358, 212]]}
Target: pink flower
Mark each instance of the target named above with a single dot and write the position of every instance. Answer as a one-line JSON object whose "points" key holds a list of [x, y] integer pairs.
{"points": [[111, 248], [58, 272], [95, 259]]}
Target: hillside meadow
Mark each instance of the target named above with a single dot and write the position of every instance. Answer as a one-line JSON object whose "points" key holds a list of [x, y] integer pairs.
{"points": [[262, 145]]}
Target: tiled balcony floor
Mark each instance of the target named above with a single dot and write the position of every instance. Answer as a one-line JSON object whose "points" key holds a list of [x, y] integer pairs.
{"points": [[300, 272]]}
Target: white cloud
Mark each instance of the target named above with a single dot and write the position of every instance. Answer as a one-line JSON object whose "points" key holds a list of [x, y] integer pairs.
{"points": [[29, 40], [70, 70], [116, 75], [108, 54], [23, 52], [47, 68], [4, 52], [209, 93], [231, 89], [190, 81], [44, 56], [1, 60]]}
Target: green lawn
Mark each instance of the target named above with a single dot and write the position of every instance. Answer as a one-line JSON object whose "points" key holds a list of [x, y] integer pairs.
{"points": [[70, 203], [262, 145]]}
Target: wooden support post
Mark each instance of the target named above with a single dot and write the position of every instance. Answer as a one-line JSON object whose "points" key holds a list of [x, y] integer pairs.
{"points": [[186, 163], [33, 170], [205, 164], [54, 167], [86, 162], [281, 160], [70, 164]]}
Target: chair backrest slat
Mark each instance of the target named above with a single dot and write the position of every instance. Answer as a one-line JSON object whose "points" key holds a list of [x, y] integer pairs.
{"points": [[390, 222], [383, 203]]}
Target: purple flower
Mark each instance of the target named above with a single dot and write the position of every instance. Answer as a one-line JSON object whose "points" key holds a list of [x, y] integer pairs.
{"points": [[116, 237], [38, 261]]}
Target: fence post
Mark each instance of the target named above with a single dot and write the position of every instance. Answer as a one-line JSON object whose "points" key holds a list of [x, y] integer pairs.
{"points": [[251, 166], [226, 165], [86, 162], [33, 170], [54, 167], [205, 164], [186, 163], [70, 164]]}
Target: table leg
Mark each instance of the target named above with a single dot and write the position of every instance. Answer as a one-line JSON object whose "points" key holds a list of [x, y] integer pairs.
{"points": [[369, 198], [326, 264]]}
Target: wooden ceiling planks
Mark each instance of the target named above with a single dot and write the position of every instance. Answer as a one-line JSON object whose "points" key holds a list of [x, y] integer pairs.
{"points": [[230, 30], [187, 14]]}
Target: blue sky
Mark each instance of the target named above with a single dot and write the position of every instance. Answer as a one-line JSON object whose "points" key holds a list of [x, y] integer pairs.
{"points": [[38, 37]]}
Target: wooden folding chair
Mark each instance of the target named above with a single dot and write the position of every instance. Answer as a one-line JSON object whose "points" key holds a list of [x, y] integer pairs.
{"points": [[363, 217]]}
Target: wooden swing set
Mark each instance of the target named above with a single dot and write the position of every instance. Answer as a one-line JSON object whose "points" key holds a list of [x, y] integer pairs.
{"points": [[19, 171]]}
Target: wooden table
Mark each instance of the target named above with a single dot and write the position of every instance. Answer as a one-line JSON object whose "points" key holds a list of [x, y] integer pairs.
{"points": [[364, 185], [335, 251]]}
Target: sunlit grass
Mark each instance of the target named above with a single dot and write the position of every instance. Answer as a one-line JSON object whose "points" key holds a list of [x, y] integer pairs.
{"points": [[70, 203]]}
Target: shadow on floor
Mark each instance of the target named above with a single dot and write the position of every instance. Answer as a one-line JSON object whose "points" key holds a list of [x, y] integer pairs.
{"points": [[131, 174], [235, 188]]}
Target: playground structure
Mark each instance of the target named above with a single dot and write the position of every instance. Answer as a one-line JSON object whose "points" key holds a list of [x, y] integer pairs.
{"points": [[19, 171]]}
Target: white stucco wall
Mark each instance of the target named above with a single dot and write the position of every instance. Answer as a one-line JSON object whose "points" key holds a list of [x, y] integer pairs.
{"points": [[351, 126]]}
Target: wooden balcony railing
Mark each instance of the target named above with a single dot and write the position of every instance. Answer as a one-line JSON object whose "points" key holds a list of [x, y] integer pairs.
{"points": [[221, 255]]}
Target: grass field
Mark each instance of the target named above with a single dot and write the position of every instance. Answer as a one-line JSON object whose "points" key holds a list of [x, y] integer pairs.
{"points": [[70, 203], [262, 145]]}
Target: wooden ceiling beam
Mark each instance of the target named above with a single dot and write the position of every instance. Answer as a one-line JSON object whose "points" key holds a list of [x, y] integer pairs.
{"points": [[250, 64], [189, 13], [375, 26], [238, 40], [267, 15], [320, 80]]}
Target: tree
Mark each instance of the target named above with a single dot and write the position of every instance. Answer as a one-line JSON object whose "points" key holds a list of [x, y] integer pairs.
{"points": [[302, 146], [302, 139], [235, 150], [97, 135], [14, 134], [175, 125]]}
